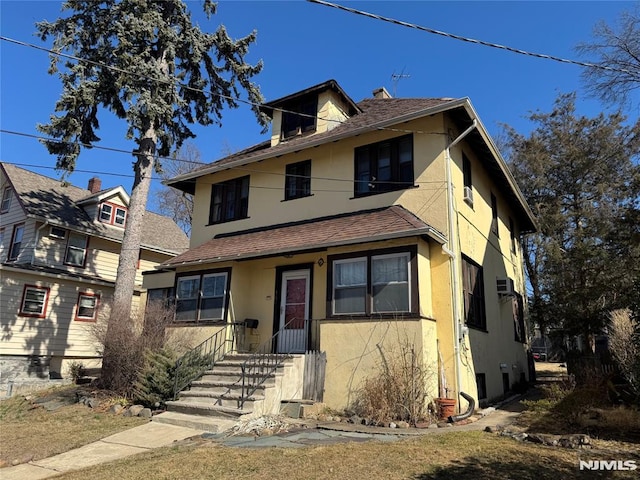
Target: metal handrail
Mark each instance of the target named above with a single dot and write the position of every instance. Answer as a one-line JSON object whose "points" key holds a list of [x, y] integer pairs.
{"points": [[202, 358], [266, 360]]}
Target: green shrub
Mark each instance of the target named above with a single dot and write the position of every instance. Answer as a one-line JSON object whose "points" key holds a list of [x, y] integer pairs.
{"points": [[155, 382]]}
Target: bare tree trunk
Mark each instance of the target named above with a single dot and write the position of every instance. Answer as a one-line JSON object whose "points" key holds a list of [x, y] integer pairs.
{"points": [[120, 327]]}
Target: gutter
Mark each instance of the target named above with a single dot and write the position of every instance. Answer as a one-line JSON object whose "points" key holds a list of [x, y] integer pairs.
{"points": [[453, 252]]}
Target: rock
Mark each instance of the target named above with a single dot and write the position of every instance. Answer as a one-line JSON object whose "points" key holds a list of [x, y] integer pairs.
{"points": [[393, 425], [92, 403], [135, 410], [403, 425], [356, 420], [494, 429], [521, 437], [116, 409], [487, 411], [145, 413]]}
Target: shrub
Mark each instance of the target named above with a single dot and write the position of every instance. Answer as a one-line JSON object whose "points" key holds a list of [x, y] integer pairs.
{"points": [[624, 344], [155, 381], [76, 371], [399, 390]]}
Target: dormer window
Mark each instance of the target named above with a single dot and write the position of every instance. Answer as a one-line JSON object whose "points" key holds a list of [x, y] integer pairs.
{"points": [[299, 117], [113, 214]]}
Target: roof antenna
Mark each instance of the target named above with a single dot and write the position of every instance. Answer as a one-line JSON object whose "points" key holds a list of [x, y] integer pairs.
{"points": [[396, 77]]}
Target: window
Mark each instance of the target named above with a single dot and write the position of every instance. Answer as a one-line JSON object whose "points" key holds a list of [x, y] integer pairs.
{"points": [[6, 200], [76, 253], [163, 297], [494, 214], [373, 284], [520, 333], [467, 195], [56, 232], [202, 298], [514, 238], [112, 214], [87, 308], [16, 241], [481, 382], [229, 200], [297, 182], [473, 288], [34, 301], [466, 171], [384, 166], [299, 117]]}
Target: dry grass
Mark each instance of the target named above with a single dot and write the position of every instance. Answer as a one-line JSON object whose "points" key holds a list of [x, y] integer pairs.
{"points": [[30, 432], [460, 455]]}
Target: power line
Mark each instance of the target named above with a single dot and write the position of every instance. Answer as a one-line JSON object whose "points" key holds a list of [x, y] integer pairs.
{"points": [[209, 92], [467, 39]]}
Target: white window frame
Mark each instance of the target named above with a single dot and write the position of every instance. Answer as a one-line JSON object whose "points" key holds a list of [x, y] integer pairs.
{"points": [[52, 234], [360, 285], [16, 229], [43, 307], [109, 214], [96, 299], [120, 216], [76, 248], [5, 205], [407, 282]]}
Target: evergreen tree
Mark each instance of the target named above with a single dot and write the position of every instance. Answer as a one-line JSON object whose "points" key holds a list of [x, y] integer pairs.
{"points": [[582, 179], [147, 63]]}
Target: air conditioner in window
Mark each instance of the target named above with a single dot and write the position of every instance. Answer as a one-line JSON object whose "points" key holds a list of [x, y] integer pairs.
{"points": [[505, 287], [467, 195]]}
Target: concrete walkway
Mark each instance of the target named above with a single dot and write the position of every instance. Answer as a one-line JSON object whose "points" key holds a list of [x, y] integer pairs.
{"points": [[155, 434]]}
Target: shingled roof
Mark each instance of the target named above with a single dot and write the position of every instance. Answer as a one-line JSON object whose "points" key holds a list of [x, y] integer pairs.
{"points": [[48, 198], [308, 235], [375, 113]]}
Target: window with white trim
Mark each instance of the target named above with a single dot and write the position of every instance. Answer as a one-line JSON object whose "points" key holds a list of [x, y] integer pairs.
{"points": [[16, 241], [112, 214], [87, 307], [76, 254], [57, 232], [375, 284], [6, 199], [34, 301], [202, 298]]}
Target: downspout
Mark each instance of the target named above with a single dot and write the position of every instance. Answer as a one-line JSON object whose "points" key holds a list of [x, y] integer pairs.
{"points": [[453, 254], [37, 240]]}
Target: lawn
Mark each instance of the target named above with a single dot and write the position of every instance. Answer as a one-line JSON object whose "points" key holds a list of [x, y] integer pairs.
{"points": [[29, 431]]}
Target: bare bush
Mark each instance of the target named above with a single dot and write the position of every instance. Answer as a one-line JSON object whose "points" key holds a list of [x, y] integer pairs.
{"points": [[624, 346], [399, 390], [128, 340]]}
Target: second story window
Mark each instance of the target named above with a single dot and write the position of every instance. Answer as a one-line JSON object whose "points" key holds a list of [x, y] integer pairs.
{"points": [[299, 118], [468, 181], [229, 200], [6, 200], [113, 214], [384, 166], [76, 254], [16, 242], [494, 214], [298, 180]]}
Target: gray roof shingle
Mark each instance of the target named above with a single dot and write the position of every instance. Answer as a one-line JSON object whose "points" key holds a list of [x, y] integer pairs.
{"points": [[49, 198], [318, 233]]}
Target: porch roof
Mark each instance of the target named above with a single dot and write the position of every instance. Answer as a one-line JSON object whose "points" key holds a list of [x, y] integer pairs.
{"points": [[319, 233]]}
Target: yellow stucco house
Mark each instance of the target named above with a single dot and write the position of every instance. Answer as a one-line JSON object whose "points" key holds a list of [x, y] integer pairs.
{"points": [[357, 226], [59, 251]]}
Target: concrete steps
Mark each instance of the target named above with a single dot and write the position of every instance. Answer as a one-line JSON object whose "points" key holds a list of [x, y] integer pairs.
{"points": [[211, 424], [218, 392]]}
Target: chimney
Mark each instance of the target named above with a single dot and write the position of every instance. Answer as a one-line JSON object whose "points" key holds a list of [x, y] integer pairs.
{"points": [[381, 93], [95, 185]]}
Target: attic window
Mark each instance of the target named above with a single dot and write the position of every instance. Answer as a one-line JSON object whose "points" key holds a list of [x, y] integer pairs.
{"points": [[299, 117], [57, 232], [113, 214], [6, 200]]}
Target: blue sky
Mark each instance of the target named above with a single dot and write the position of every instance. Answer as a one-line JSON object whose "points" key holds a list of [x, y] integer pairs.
{"points": [[303, 44]]}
